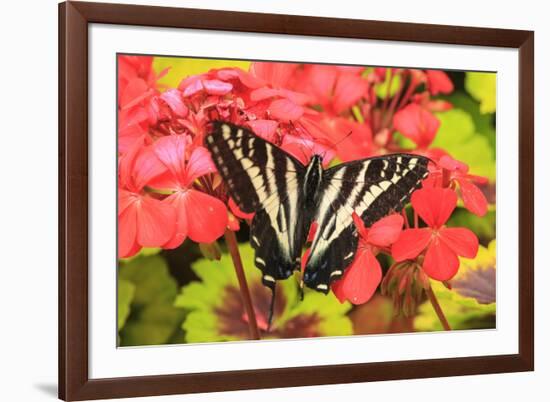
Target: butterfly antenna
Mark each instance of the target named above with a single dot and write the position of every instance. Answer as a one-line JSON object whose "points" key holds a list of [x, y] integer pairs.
{"points": [[271, 308], [345, 137], [303, 141], [333, 146], [303, 153]]}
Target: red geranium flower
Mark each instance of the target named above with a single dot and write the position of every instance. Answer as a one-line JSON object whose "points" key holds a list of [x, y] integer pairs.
{"points": [[143, 221], [439, 82], [433, 105], [443, 245], [364, 274], [454, 172], [352, 140], [200, 216], [137, 86], [417, 124], [334, 88]]}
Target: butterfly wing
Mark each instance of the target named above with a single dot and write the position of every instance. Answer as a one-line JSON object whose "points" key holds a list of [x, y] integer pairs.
{"points": [[263, 179], [371, 188]]}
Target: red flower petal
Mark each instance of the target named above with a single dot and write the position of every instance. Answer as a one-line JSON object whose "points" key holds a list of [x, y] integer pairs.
{"points": [[199, 164], [181, 223], [434, 204], [133, 93], [438, 82], [217, 87], [473, 197], [461, 240], [126, 166], [446, 162], [276, 74], [206, 216], [360, 280], [441, 263], [191, 85], [131, 116], [353, 140], [147, 166], [321, 80], [296, 97], [477, 179], [349, 89], [125, 199], [416, 123], [433, 180], [380, 72], [232, 222], [245, 78], [127, 229], [266, 129], [128, 136], [360, 225], [237, 211], [386, 231], [411, 243], [155, 222], [285, 110], [173, 98], [263, 93], [303, 148], [170, 150], [439, 106]]}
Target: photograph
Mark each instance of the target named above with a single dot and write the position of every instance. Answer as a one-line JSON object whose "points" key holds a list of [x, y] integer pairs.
{"points": [[264, 200], [275, 201]]}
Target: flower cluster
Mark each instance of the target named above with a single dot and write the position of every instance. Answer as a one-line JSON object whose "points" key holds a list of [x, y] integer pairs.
{"points": [[169, 189]]}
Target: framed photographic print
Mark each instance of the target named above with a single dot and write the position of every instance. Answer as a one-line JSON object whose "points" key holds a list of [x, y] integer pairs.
{"points": [[260, 200]]}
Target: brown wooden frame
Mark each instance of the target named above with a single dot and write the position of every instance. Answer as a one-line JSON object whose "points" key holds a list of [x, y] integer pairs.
{"points": [[74, 17]]}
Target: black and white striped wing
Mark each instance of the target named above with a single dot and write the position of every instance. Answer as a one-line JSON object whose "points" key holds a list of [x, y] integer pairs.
{"points": [[372, 188], [263, 179]]}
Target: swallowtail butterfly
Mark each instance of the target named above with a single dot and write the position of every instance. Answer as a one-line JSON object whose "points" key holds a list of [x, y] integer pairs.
{"points": [[287, 197]]}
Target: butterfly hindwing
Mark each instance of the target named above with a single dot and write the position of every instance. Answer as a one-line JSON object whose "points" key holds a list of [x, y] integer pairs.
{"points": [[264, 180], [372, 188]]}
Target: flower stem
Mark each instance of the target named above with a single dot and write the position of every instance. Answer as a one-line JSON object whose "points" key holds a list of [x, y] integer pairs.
{"points": [[231, 241], [437, 308], [405, 218], [388, 89]]}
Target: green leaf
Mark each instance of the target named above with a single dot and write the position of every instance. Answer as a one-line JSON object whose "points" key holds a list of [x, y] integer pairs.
{"points": [[153, 319], [484, 123], [393, 81], [125, 295], [483, 88], [457, 136], [182, 67], [204, 299], [334, 321]]}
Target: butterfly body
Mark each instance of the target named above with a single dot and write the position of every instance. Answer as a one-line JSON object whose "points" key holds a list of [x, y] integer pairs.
{"points": [[288, 196], [313, 178]]}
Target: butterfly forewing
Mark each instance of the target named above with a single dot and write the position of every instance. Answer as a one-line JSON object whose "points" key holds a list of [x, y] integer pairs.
{"points": [[263, 179], [372, 188]]}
